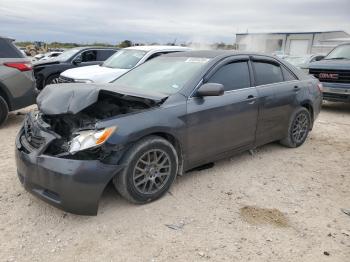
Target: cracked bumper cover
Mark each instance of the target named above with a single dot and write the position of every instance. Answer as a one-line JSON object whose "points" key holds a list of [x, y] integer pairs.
{"points": [[74, 186]]}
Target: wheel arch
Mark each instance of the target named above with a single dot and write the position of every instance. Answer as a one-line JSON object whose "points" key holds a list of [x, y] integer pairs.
{"points": [[50, 75], [308, 105], [175, 142], [5, 95]]}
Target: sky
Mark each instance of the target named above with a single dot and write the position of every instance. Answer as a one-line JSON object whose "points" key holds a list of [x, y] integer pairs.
{"points": [[161, 21]]}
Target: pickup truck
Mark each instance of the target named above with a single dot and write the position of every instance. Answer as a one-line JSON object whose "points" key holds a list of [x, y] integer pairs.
{"points": [[334, 74]]}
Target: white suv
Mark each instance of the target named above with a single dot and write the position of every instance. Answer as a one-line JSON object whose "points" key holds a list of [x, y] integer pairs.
{"points": [[118, 64]]}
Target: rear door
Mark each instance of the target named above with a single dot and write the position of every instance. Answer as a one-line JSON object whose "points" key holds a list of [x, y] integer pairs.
{"points": [[220, 124], [277, 88]]}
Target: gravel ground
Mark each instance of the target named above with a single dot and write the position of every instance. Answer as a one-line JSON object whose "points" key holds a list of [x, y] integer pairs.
{"points": [[277, 204]]}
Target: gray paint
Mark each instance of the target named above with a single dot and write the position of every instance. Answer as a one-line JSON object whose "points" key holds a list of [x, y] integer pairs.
{"points": [[206, 128]]}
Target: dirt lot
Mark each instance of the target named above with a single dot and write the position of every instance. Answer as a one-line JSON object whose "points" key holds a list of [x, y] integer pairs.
{"points": [[278, 204]]}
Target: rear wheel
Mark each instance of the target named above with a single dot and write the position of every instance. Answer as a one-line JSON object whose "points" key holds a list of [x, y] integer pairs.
{"points": [[4, 110], [150, 169], [299, 127]]}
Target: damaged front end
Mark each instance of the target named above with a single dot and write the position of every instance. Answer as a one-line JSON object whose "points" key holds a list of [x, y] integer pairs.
{"points": [[72, 116], [62, 152]]}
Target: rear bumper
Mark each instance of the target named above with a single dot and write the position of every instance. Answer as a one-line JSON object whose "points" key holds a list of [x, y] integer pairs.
{"points": [[74, 186]]}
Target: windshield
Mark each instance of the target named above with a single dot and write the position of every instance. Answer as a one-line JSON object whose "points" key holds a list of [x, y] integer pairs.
{"points": [[67, 54], [340, 52], [166, 75], [124, 59]]}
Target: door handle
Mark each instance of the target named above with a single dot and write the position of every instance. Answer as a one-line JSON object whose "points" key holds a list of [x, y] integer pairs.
{"points": [[251, 99], [296, 88]]}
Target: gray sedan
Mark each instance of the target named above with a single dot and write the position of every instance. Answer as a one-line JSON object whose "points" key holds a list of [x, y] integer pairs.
{"points": [[165, 117]]}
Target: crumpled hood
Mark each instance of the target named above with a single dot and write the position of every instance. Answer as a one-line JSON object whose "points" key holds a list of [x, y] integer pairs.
{"points": [[96, 73], [331, 64], [52, 61], [72, 98]]}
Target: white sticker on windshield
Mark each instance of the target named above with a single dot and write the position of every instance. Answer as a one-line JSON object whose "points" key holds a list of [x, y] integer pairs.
{"points": [[197, 60]]}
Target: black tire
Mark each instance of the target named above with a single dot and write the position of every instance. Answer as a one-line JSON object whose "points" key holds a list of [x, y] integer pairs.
{"points": [[52, 79], [298, 128], [4, 111], [128, 182]]}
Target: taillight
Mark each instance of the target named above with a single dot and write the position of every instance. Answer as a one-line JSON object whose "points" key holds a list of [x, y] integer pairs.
{"points": [[320, 87], [21, 66]]}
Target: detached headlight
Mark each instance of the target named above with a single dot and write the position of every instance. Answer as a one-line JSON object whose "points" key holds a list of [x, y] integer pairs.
{"points": [[86, 81], [90, 138]]}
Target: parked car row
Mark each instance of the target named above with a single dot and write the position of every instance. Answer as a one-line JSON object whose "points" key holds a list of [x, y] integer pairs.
{"points": [[48, 72], [117, 65], [140, 116]]}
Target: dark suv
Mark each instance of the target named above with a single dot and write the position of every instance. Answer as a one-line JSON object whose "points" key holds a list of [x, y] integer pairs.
{"points": [[334, 73], [48, 72], [17, 83]]}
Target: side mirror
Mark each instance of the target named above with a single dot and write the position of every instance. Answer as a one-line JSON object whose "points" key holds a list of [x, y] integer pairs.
{"points": [[77, 60], [210, 89]]}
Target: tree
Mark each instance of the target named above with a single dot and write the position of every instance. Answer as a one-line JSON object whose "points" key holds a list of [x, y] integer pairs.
{"points": [[125, 43]]}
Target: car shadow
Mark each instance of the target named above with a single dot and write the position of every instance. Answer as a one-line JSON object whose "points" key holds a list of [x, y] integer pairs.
{"points": [[111, 200], [336, 107]]}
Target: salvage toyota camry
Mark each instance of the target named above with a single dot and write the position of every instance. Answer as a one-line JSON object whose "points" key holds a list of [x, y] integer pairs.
{"points": [[164, 117]]}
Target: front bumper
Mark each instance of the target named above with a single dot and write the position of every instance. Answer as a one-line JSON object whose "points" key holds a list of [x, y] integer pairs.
{"points": [[336, 92], [72, 185]]}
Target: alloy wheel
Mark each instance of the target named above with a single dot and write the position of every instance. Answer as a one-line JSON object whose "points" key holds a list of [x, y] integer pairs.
{"points": [[152, 171], [300, 128]]}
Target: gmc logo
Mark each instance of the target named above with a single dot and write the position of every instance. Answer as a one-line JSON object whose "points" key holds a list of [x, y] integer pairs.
{"points": [[328, 76]]}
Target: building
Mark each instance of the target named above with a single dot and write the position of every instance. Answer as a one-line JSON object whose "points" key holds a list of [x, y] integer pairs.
{"points": [[292, 43]]}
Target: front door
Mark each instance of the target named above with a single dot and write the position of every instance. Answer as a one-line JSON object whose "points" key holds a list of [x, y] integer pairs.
{"points": [[223, 123]]}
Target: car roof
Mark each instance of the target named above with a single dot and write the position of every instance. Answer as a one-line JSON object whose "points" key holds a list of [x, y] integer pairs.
{"points": [[159, 48], [219, 54]]}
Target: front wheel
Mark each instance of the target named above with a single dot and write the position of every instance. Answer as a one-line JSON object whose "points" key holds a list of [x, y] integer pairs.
{"points": [[298, 129], [150, 168]]}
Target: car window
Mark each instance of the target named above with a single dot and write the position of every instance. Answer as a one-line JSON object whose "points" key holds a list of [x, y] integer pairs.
{"points": [[8, 50], [232, 76], [102, 55], [288, 76], [125, 59], [89, 56], [267, 73]]}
